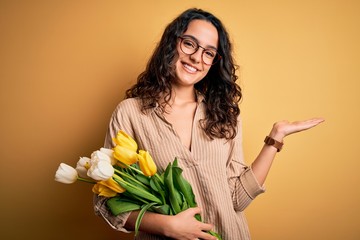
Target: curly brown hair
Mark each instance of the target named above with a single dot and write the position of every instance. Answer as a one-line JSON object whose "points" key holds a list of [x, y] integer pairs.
{"points": [[219, 87]]}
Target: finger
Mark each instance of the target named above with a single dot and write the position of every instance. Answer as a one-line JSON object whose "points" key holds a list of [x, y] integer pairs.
{"points": [[195, 210], [206, 236], [206, 226], [303, 125], [315, 120], [312, 123]]}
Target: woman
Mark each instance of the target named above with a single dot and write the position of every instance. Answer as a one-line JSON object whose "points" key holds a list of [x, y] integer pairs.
{"points": [[185, 105]]}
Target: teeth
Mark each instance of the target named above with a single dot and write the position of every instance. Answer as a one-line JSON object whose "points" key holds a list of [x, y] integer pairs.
{"points": [[190, 68]]}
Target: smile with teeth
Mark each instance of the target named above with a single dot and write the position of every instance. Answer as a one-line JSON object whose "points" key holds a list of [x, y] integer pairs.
{"points": [[189, 68]]}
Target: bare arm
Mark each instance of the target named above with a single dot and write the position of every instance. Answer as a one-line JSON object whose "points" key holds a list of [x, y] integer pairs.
{"points": [[280, 130], [181, 226]]}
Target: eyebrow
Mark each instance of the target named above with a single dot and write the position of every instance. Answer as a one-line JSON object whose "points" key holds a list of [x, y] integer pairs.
{"points": [[197, 41]]}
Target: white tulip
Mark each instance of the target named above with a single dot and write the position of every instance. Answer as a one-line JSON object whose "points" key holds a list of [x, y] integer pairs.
{"points": [[82, 166], [110, 153], [66, 174], [97, 156], [101, 170]]}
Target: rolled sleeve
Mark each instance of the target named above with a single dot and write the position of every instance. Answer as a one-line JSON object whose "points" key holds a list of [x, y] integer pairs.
{"points": [[118, 121], [250, 183], [243, 184], [244, 187], [116, 222]]}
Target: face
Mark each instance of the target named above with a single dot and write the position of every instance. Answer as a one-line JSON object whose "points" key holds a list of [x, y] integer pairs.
{"points": [[190, 69]]}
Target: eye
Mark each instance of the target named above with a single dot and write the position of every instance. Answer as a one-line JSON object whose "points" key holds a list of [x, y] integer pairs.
{"points": [[189, 43], [210, 53]]}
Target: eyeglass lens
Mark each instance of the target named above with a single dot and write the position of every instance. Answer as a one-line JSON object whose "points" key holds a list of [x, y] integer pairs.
{"points": [[189, 46]]}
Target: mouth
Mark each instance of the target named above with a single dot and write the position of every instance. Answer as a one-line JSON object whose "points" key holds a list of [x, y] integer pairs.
{"points": [[189, 68]]}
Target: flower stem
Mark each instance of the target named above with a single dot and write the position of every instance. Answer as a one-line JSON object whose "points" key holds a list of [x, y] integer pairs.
{"points": [[86, 180], [158, 177], [135, 169], [136, 190], [132, 178]]}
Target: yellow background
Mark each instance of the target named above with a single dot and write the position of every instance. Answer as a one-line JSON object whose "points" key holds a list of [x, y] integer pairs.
{"points": [[64, 65]]}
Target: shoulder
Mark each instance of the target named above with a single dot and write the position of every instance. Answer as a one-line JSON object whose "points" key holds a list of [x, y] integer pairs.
{"points": [[126, 113], [127, 109], [128, 106]]}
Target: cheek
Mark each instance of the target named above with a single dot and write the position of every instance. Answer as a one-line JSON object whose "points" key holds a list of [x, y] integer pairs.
{"points": [[180, 55], [206, 69], [178, 52]]}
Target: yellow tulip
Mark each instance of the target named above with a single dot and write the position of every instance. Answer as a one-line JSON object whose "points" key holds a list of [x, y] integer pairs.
{"points": [[125, 155], [120, 164], [124, 140], [102, 190], [110, 183], [108, 188], [147, 165]]}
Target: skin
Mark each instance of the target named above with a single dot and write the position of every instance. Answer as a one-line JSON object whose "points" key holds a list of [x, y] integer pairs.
{"points": [[190, 69], [180, 113]]}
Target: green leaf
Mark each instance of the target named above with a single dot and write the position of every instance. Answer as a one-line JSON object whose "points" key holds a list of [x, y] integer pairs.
{"points": [[174, 196], [134, 198], [184, 204], [132, 180], [182, 185], [178, 196], [145, 180], [215, 234], [153, 185], [138, 191], [157, 186], [119, 205], [141, 215], [175, 162], [163, 209], [135, 165]]}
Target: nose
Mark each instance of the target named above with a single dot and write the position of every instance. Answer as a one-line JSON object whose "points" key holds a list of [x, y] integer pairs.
{"points": [[197, 56]]}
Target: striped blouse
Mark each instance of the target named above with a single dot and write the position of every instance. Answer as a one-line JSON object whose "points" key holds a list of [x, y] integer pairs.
{"points": [[223, 185]]}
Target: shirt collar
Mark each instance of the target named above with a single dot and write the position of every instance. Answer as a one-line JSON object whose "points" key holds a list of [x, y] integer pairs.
{"points": [[157, 109]]}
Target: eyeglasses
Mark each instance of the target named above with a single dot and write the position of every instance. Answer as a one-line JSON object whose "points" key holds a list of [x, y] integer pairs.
{"points": [[189, 46]]}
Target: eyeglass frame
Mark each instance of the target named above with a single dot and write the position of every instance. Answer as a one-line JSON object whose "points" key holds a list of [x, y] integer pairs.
{"points": [[216, 58]]}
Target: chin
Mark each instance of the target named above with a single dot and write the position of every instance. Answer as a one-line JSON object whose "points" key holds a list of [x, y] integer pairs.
{"points": [[188, 79]]}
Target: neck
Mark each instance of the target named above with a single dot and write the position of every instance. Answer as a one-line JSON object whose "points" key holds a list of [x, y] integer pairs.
{"points": [[183, 95]]}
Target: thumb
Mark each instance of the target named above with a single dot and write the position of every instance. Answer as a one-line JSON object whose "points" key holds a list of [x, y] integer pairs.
{"points": [[194, 210]]}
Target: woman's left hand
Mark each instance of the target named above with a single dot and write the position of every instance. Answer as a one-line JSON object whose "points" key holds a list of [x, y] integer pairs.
{"points": [[262, 163], [284, 128]]}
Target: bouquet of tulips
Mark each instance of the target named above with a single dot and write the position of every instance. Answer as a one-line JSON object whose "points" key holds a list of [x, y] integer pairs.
{"points": [[128, 177]]}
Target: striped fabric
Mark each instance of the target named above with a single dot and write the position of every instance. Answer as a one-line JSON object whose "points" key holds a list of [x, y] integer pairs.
{"points": [[223, 185]]}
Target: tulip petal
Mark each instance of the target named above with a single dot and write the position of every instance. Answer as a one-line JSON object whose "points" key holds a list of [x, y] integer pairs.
{"points": [[97, 156], [125, 155], [147, 165], [66, 174], [110, 183], [110, 153], [101, 170], [102, 190], [82, 166], [124, 140]]}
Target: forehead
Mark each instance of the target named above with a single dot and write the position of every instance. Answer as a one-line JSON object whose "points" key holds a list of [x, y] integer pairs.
{"points": [[204, 32]]}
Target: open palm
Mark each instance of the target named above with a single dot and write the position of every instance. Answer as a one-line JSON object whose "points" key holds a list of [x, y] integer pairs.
{"points": [[286, 128]]}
